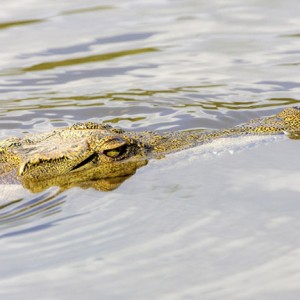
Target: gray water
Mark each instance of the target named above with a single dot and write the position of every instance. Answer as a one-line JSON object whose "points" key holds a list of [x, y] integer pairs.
{"points": [[214, 222]]}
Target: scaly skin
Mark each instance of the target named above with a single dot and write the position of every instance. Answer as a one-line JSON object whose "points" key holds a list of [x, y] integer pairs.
{"points": [[90, 154]]}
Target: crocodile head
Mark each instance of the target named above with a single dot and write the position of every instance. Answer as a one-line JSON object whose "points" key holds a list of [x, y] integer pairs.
{"points": [[84, 152]]}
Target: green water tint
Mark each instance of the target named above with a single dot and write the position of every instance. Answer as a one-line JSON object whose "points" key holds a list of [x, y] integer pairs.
{"points": [[240, 105], [6, 25], [117, 120], [296, 35], [136, 95], [87, 10], [87, 59], [20, 23], [291, 64]]}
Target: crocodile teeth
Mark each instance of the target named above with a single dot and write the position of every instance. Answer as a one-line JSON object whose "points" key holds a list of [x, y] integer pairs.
{"points": [[23, 168]]}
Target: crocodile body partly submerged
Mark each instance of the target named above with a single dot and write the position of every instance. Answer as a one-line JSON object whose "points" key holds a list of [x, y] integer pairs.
{"points": [[97, 155]]}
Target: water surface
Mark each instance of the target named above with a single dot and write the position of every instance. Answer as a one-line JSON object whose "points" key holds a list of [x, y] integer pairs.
{"points": [[211, 223]]}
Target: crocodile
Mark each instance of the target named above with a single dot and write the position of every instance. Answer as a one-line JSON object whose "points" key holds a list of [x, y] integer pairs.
{"points": [[100, 156]]}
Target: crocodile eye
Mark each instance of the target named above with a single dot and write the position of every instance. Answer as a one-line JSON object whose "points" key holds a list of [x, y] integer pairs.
{"points": [[116, 153]]}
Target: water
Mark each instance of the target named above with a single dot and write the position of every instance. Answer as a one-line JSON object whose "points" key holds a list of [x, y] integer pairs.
{"points": [[207, 223]]}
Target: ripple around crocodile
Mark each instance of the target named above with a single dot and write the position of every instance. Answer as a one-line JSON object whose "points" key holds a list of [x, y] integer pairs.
{"points": [[100, 156]]}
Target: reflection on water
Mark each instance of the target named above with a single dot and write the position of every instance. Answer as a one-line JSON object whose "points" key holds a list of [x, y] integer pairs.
{"points": [[188, 227], [86, 10], [85, 60], [18, 23], [21, 211]]}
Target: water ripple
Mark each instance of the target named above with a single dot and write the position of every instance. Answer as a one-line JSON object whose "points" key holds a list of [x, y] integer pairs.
{"points": [[192, 225], [80, 60]]}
